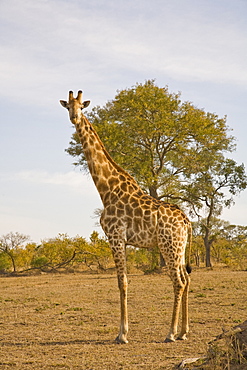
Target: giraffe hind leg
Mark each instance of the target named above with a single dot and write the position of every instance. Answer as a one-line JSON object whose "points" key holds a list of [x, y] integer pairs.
{"points": [[178, 286], [185, 315]]}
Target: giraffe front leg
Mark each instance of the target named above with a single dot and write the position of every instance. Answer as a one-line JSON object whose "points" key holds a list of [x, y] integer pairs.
{"points": [[123, 331], [120, 262]]}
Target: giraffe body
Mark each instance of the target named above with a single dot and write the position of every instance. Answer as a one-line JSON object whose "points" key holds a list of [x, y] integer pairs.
{"points": [[131, 217]]}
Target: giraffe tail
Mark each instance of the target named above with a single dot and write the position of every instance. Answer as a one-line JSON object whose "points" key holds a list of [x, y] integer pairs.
{"points": [[188, 265]]}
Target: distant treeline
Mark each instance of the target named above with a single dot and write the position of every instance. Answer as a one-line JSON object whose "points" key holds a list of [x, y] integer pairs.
{"points": [[64, 253]]}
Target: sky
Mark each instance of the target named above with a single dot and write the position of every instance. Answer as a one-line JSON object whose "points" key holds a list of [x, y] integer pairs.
{"points": [[48, 47]]}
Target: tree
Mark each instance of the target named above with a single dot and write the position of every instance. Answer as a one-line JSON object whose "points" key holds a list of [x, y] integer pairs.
{"points": [[63, 251], [175, 151], [11, 243], [197, 247], [57, 252], [236, 250], [212, 190], [147, 125], [98, 251]]}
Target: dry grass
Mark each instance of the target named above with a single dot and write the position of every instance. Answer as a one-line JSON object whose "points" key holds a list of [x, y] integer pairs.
{"points": [[70, 321]]}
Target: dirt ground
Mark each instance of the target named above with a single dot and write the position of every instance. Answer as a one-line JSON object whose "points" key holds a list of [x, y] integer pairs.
{"points": [[70, 321]]}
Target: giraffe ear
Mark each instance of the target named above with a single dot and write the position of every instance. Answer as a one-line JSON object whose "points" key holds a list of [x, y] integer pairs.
{"points": [[64, 103], [86, 103]]}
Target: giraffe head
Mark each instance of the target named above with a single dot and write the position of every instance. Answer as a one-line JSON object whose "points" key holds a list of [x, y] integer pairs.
{"points": [[74, 106]]}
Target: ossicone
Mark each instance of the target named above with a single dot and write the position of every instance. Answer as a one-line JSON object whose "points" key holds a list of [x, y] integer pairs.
{"points": [[79, 96], [71, 95]]}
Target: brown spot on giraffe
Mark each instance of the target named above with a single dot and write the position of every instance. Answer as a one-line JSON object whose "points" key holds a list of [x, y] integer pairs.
{"points": [[132, 217]]}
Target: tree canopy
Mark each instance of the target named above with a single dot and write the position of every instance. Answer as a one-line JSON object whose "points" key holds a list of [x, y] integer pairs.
{"points": [[156, 137]]}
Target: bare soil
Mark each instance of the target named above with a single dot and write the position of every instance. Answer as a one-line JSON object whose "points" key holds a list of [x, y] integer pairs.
{"points": [[70, 321]]}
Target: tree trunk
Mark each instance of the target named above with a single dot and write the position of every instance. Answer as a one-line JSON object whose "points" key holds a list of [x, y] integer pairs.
{"points": [[153, 191], [208, 255], [207, 241], [207, 244], [197, 259], [162, 261], [12, 260]]}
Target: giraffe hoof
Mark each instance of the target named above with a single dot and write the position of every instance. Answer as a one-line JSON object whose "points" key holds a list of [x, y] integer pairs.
{"points": [[182, 337], [121, 340], [169, 340]]}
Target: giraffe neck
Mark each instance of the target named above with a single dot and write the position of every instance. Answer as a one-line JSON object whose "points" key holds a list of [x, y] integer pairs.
{"points": [[107, 175]]}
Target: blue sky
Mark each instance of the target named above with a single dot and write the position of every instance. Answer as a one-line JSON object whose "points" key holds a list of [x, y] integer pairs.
{"points": [[48, 47]]}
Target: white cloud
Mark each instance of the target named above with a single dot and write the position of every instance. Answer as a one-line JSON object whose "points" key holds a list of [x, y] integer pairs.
{"points": [[43, 204], [76, 181], [50, 45]]}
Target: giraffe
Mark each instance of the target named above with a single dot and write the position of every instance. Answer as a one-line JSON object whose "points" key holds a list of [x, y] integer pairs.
{"points": [[131, 217]]}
